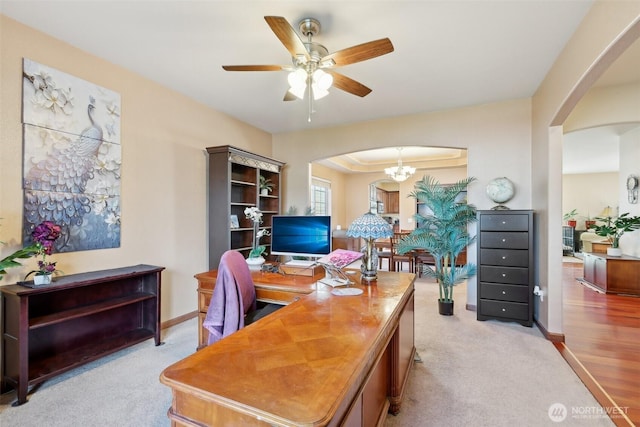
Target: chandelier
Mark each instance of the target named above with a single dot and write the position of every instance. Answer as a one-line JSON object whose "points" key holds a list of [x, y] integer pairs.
{"points": [[400, 173]]}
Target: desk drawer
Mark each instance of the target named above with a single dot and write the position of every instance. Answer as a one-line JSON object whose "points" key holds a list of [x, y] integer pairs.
{"points": [[508, 310], [508, 222], [506, 240], [506, 257], [512, 293], [511, 275]]}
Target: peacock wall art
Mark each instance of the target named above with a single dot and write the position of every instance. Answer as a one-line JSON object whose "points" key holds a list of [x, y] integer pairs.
{"points": [[72, 158]]}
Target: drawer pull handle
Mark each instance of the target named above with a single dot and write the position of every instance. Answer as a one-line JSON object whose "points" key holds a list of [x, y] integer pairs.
{"points": [[504, 274], [504, 292], [504, 257], [504, 222], [504, 309], [504, 240]]}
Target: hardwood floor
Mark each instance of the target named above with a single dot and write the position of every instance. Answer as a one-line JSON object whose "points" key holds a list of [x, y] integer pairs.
{"points": [[602, 337]]}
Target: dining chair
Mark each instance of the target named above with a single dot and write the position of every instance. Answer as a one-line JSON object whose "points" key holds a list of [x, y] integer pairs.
{"points": [[383, 250], [422, 258], [398, 259]]}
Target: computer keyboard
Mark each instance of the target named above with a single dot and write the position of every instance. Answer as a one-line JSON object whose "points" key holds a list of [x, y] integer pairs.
{"points": [[300, 263], [335, 282]]}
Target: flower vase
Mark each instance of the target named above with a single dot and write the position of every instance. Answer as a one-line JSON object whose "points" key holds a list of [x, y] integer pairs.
{"points": [[255, 261], [42, 279]]}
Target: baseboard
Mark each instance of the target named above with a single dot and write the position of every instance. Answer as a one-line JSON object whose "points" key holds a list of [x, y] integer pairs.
{"points": [[471, 307], [620, 417], [551, 336], [172, 322]]}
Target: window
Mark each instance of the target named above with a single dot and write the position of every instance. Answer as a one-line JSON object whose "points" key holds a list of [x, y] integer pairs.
{"points": [[320, 196]]}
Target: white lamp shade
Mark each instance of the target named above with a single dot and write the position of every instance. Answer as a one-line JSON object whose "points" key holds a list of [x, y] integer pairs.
{"points": [[322, 80]]}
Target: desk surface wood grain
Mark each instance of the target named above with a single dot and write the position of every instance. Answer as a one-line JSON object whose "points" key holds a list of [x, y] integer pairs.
{"points": [[300, 364]]}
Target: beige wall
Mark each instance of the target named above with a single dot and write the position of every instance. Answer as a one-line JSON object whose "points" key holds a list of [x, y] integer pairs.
{"points": [[608, 29], [497, 137], [589, 193], [164, 135]]}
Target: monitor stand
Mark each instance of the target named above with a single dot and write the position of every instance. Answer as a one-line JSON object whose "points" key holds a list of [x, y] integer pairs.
{"points": [[299, 263]]}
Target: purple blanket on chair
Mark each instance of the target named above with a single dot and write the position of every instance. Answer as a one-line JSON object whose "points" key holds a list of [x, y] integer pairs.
{"points": [[233, 296]]}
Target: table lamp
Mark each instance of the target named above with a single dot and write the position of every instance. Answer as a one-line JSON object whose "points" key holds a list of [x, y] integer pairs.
{"points": [[607, 212], [370, 227]]}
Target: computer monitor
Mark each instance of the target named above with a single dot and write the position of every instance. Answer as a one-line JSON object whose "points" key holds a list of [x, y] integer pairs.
{"points": [[301, 236]]}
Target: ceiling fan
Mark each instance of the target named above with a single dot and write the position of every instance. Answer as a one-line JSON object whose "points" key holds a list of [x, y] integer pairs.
{"points": [[312, 70]]}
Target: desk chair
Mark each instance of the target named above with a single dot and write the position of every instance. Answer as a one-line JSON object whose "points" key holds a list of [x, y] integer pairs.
{"points": [[397, 259], [233, 304]]}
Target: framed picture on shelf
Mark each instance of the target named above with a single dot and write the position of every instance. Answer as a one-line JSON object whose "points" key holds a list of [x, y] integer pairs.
{"points": [[234, 222]]}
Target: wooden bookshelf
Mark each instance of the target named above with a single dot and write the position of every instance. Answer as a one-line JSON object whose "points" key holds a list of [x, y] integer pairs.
{"points": [[49, 329]]}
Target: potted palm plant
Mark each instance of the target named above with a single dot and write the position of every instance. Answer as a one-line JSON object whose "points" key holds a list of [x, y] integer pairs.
{"points": [[614, 228], [443, 234]]}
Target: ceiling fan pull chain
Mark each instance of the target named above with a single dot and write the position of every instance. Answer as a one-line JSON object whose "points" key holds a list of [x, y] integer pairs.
{"points": [[310, 103]]}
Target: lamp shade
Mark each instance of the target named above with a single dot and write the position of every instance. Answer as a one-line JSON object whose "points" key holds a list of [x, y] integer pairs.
{"points": [[370, 226], [606, 212]]}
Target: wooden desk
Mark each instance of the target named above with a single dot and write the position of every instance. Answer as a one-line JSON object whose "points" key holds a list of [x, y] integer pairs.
{"points": [[323, 360], [600, 247], [273, 288]]}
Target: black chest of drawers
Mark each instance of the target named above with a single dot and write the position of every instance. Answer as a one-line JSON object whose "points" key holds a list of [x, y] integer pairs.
{"points": [[505, 266]]}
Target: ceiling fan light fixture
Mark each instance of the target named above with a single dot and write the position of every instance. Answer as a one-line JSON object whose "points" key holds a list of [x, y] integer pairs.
{"points": [[322, 79], [297, 79], [318, 92]]}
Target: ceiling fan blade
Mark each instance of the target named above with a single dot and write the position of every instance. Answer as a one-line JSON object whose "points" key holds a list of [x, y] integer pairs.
{"points": [[358, 53], [287, 36], [253, 67], [348, 84], [289, 97]]}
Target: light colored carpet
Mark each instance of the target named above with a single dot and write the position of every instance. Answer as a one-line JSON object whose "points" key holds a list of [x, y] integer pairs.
{"points": [[487, 373], [473, 374]]}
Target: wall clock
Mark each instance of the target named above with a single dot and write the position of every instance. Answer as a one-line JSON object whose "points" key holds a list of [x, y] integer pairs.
{"points": [[632, 188]]}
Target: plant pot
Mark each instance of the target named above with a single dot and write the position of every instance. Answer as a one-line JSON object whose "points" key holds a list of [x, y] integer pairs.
{"points": [[445, 308], [42, 279], [264, 192], [572, 223], [589, 224], [255, 261], [614, 251]]}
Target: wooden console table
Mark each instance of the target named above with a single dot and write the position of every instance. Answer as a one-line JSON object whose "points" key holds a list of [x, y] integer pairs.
{"points": [[76, 319], [613, 274], [323, 360]]}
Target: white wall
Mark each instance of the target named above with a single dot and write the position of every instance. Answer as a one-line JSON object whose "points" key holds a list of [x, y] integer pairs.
{"points": [[606, 31], [629, 165]]}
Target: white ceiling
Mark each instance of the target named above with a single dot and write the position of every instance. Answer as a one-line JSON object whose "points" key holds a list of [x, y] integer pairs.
{"points": [[448, 54]]}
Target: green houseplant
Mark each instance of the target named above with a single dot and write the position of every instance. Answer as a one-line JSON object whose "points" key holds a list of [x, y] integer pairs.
{"points": [[266, 186], [614, 228], [443, 233]]}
